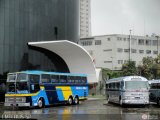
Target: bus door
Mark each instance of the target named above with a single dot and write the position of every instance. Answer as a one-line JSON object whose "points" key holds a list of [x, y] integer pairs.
{"points": [[34, 83], [117, 91], [122, 90]]}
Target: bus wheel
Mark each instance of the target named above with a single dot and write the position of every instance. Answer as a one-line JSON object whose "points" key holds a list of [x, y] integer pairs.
{"points": [[70, 101], [76, 100], [108, 99], [120, 102], [158, 101], [40, 103]]}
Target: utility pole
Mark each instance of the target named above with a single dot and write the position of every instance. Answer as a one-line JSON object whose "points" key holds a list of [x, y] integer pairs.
{"points": [[112, 64], [157, 45], [130, 45]]}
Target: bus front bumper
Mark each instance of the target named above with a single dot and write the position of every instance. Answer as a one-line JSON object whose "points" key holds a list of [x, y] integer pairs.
{"points": [[138, 102], [17, 104]]}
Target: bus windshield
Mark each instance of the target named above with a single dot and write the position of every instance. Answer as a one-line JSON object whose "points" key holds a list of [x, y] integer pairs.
{"points": [[136, 85], [19, 86], [11, 77], [21, 77], [17, 82]]}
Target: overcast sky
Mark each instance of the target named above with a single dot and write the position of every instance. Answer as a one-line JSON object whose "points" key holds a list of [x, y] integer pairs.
{"points": [[119, 16]]}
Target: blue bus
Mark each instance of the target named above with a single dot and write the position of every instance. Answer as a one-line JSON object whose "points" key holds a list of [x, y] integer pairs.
{"points": [[40, 88]]}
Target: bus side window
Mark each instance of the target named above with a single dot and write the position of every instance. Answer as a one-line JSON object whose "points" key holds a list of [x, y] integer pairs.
{"points": [[154, 86], [110, 85], [34, 78], [63, 78], [71, 79], [78, 79], [83, 79], [114, 85], [45, 78], [122, 85], [118, 85], [54, 78], [158, 85], [107, 86]]}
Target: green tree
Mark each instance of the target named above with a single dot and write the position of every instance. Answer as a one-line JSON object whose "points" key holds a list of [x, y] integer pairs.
{"points": [[108, 74], [146, 69], [156, 67], [129, 68]]}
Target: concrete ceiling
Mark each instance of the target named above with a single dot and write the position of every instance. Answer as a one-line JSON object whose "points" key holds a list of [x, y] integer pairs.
{"points": [[75, 56]]}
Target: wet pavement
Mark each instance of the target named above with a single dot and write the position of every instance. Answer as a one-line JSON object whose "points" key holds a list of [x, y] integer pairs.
{"points": [[88, 110]]}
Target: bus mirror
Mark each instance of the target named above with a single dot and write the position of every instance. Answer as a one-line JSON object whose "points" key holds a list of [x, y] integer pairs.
{"points": [[32, 87]]}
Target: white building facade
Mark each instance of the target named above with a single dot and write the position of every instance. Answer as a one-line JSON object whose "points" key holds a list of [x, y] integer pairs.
{"points": [[85, 18], [111, 51]]}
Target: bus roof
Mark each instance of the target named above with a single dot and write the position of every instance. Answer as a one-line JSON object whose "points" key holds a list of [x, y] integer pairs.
{"points": [[126, 78], [154, 81], [53, 73]]}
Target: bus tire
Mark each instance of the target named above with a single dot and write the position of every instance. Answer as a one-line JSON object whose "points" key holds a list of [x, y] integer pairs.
{"points": [[40, 103], [70, 100], [108, 99], [76, 100], [120, 101], [158, 101]]}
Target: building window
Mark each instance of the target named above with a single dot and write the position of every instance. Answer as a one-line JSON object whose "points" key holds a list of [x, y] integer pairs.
{"points": [[97, 42], [109, 39], [86, 43], [120, 61], [155, 52], [126, 50], [107, 61], [125, 61], [134, 41], [124, 39], [106, 50], [148, 42], [141, 51], [119, 50], [154, 43], [148, 51], [134, 50], [140, 42], [119, 38]]}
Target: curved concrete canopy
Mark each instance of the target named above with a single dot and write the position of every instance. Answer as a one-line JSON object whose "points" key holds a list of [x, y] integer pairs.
{"points": [[75, 56]]}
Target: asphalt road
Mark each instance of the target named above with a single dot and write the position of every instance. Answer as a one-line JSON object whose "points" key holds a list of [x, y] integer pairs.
{"points": [[88, 110]]}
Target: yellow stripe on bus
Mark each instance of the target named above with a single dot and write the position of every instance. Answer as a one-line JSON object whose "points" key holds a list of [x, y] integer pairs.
{"points": [[21, 95], [66, 91]]}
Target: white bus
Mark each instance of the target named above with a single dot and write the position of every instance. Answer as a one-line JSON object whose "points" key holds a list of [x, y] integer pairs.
{"points": [[128, 90]]}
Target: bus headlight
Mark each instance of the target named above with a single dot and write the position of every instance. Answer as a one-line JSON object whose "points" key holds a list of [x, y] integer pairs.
{"points": [[127, 98], [146, 97]]}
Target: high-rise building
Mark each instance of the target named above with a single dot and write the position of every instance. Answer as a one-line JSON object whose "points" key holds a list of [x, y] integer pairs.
{"points": [[85, 18], [23, 21]]}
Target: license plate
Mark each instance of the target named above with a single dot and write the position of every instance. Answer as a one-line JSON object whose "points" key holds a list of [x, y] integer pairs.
{"points": [[137, 97]]}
